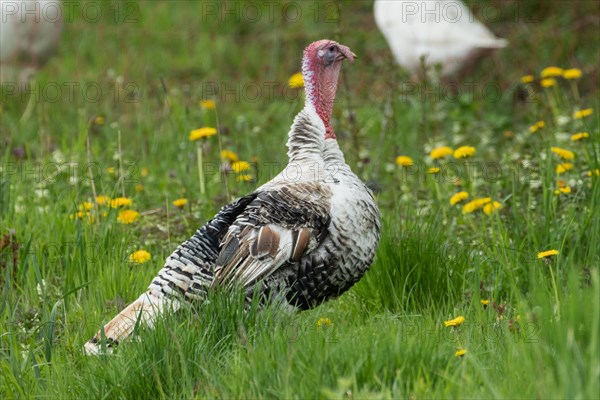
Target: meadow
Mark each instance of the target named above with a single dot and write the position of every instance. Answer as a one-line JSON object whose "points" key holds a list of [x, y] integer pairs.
{"points": [[494, 295]]}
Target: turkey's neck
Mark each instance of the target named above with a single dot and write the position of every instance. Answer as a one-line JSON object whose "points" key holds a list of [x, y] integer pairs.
{"points": [[333, 157], [323, 106], [321, 87], [305, 140]]}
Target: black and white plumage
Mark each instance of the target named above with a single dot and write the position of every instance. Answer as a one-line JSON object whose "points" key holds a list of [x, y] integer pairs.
{"points": [[306, 236]]}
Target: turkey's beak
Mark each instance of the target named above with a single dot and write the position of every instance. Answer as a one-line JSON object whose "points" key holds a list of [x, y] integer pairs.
{"points": [[347, 54]]}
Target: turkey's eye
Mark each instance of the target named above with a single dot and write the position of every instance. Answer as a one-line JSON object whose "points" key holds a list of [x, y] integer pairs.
{"points": [[330, 55]]}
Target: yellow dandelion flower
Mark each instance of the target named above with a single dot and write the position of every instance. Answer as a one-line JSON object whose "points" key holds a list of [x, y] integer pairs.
{"points": [[208, 104], [489, 208], [404, 161], [200, 133], [144, 172], [139, 187], [458, 197], [296, 81], [527, 79], [78, 214], [460, 352], [102, 200], [110, 170], [547, 253], [441, 152], [563, 190], [240, 166], [537, 126], [564, 167], [572, 73], [551, 71], [464, 152], [475, 204], [140, 256], [180, 203], [243, 178], [579, 136], [433, 170], [229, 155], [562, 153], [81, 215], [128, 216], [85, 206], [324, 321], [455, 322], [120, 202], [583, 113], [595, 172], [484, 302], [99, 120], [548, 82]]}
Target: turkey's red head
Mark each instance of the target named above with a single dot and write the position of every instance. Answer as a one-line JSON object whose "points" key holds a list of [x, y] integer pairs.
{"points": [[320, 70]]}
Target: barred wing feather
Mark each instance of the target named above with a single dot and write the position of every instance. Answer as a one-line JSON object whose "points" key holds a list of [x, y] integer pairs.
{"points": [[280, 226]]}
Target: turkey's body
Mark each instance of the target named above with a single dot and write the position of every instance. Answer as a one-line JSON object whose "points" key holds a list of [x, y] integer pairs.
{"points": [[304, 237], [348, 246]]}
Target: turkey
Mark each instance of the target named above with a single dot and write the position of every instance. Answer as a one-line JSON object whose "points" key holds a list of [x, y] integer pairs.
{"points": [[29, 33], [304, 237], [442, 31]]}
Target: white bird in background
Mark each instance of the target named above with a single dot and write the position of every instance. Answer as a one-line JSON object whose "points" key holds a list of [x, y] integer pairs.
{"points": [[29, 34], [442, 31]]}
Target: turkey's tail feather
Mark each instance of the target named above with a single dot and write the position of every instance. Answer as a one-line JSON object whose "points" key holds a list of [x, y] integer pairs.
{"points": [[186, 276], [142, 311]]}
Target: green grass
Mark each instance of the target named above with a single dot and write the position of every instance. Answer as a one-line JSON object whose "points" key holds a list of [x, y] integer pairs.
{"points": [[61, 278]]}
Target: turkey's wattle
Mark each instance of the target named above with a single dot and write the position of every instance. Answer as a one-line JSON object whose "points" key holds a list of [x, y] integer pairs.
{"points": [[303, 241]]}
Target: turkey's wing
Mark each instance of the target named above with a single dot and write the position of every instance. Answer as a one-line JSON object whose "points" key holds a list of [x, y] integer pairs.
{"points": [[279, 226]]}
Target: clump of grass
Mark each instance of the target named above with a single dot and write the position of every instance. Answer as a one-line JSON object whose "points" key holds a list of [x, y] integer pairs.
{"points": [[417, 267]]}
